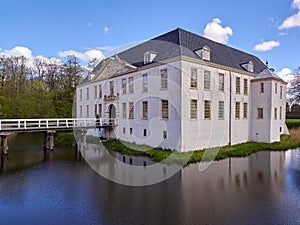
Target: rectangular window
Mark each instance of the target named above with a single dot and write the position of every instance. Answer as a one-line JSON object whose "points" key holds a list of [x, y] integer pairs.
{"points": [[124, 130], [100, 110], [221, 82], [145, 110], [124, 86], [260, 113], [131, 110], [95, 92], [237, 110], [165, 134], [87, 93], [87, 111], [194, 78], [164, 109], [80, 94], [245, 86], [275, 113], [245, 110], [124, 110], [238, 85], [130, 131], [130, 84], [207, 109], [80, 111], [145, 132], [276, 88], [100, 91], [262, 88], [280, 92], [164, 79], [206, 80], [95, 109], [280, 113], [221, 110], [145, 82], [193, 109], [111, 88]]}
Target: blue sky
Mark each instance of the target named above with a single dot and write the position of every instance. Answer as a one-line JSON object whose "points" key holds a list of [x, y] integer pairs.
{"points": [[269, 30]]}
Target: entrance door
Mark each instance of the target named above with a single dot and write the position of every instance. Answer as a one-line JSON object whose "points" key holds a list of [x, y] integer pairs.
{"points": [[112, 114]]}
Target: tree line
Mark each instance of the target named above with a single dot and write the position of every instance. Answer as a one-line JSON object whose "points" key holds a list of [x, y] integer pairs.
{"points": [[39, 87]]}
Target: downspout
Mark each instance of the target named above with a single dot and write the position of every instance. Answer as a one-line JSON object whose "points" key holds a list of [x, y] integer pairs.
{"points": [[230, 109]]}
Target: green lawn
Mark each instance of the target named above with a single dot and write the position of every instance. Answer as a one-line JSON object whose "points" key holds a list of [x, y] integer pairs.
{"points": [[239, 150], [292, 123]]}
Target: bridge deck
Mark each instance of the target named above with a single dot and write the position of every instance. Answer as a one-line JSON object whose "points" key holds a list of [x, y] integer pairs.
{"points": [[61, 124]]}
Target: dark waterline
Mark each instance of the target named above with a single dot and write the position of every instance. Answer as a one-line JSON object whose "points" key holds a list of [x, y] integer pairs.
{"points": [[38, 187]]}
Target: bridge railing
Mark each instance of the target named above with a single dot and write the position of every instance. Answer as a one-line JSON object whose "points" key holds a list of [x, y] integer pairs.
{"points": [[63, 123]]}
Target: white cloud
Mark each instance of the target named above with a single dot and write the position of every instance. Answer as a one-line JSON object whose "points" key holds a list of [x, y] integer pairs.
{"points": [[27, 53], [89, 24], [296, 4], [294, 20], [84, 56], [18, 51], [105, 29], [287, 75], [266, 46], [216, 32]]}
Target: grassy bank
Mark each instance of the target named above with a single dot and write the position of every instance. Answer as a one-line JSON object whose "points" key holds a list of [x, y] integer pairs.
{"points": [[64, 138], [292, 123], [240, 150]]}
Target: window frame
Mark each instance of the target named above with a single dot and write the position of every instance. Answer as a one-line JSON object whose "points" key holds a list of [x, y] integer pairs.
{"points": [[164, 109], [130, 85], [144, 110], [194, 78], [207, 109], [262, 88], [245, 86], [164, 79], [238, 85], [206, 81], [124, 110], [237, 115], [193, 111], [124, 86], [131, 110], [245, 110], [221, 82], [145, 84], [221, 110], [260, 113]]}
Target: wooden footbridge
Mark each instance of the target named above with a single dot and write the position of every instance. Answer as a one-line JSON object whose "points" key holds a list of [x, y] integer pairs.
{"points": [[49, 127]]}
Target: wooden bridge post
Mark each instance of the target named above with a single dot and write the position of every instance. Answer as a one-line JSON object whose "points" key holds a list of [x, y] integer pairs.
{"points": [[49, 140], [4, 143]]}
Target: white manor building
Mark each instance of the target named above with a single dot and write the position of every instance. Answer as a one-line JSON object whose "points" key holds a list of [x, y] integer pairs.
{"points": [[185, 92]]}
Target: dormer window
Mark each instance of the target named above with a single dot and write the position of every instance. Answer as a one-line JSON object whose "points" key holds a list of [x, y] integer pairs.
{"points": [[248, 66], [204, 53], [149, 57]]}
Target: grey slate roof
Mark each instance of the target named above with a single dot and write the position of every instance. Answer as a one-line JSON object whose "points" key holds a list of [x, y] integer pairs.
{"points": [[267, 73], [180, 42]]}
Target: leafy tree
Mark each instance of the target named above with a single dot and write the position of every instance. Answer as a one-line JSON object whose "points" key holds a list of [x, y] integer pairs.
{"points": [[39, 88], [294, 90]]}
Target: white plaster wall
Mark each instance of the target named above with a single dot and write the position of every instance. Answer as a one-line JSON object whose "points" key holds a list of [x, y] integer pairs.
{"points": [[260, 128], [240, 127], [184, 134], [203, 133], [278, 125], [154, 124]]}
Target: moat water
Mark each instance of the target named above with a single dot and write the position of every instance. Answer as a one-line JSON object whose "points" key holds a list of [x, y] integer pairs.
{"points": [[58, 187]]}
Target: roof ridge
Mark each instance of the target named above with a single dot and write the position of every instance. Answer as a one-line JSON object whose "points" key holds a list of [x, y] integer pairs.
{"points": [[179, 37]]}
